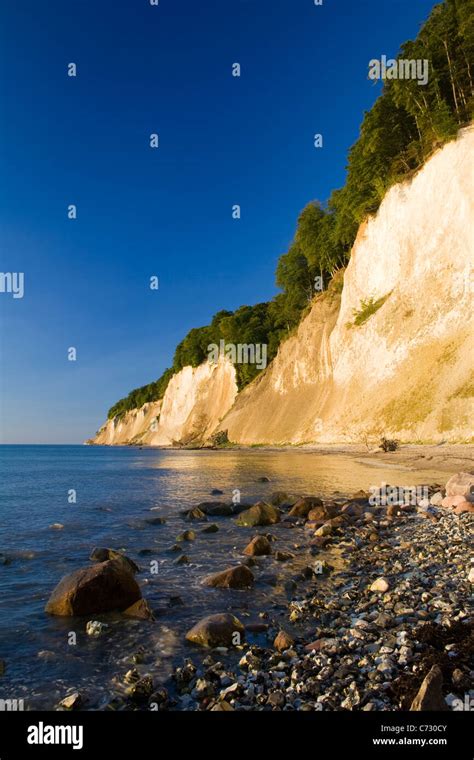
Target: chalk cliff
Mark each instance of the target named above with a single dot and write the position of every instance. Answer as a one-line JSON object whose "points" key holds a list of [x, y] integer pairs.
{"points": [[387, 351]]}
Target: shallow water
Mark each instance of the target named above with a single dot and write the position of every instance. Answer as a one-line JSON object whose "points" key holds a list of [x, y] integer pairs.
{"points": [[116, 489]]}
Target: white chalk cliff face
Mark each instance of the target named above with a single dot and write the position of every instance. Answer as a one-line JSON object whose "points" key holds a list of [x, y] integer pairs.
{"points": [[195, 401], [406, 371]]}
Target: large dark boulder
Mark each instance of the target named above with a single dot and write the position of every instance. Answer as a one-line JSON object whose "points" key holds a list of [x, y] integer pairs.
{"points": [[101, 554], [100, 588], [304, 506]]}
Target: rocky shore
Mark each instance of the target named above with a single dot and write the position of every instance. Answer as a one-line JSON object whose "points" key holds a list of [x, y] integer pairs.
{"points": [[377, 616]]}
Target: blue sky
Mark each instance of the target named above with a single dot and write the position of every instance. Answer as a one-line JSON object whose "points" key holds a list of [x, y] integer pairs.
{"points": [[164, 212]]}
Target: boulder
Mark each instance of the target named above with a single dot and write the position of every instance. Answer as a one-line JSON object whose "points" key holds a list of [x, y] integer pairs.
{"points": [[233, 577], [323, 512], [140, 610], [282, 499], [101, 588], [304, 506], [430, 694], [460, 484], [464, 506], [195, 514], [100, 554], [216, 630], [260, 514], [283, 641], [258, 546], [212, 528], [450, 502]]}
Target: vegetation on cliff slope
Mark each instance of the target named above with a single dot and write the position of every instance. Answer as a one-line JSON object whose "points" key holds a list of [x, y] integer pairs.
{"points": [[397, 135]]}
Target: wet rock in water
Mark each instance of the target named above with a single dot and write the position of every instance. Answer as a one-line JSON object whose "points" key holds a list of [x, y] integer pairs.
{"points": [[282, 499], [430, 694], [101, 588], [283, 556], [4, 560], [195, 514], [283, 641], [160, 698], [381, 585], [101, 554], [217, 508], [183, 560], [142, 690], [187, 535], [233, 577], [258, 546], [155, 521], [256, 627], [216, 492], [213, 528], [146, 552], [303, 506], [140, 611], [260, 514], [57, 526], [217, 630], [263, 479], [175, 601], [176, 548], [72, 701], [95, 628]]}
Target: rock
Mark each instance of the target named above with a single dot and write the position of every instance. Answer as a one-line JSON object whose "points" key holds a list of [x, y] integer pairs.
{"points": [[259, 546], [430, 695], [470, 577], [460, 484], [183, 560], [464, 506], [216, 492], [4, 560], [283, 641], [216, 508], [222, 707], [95, 628], [381, 585], [140, 610], [100, 588], [195, 514], [234, 577], [260, 514], [449, 502], [142, 690], [57, 526], [283, 556], [72, 701], [217, 630], [328, 646], [324, 530], [100, 554], [304, 506], [276, 699], [187, 535], [213, 528], [323, 512], [282, 499], [155, 521], [3, 666], [263, 479], [436, 499]]}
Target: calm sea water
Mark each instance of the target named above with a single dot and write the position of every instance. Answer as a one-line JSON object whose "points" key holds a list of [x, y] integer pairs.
{"points": [[116, 489]]}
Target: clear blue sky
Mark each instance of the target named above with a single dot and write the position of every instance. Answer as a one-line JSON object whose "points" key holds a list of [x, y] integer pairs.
{"points": [[165, 212]]}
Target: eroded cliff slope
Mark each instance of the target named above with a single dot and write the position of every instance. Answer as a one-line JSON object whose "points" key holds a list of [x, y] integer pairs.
{"points": [[390, 354]]}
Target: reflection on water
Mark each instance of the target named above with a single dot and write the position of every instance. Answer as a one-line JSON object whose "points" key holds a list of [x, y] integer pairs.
{"points": [[116, 489]]}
